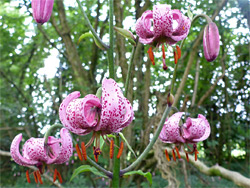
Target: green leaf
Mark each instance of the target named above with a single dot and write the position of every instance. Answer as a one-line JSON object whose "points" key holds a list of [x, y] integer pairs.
{"points": [[146, 175], [129, 147], [87, 168], [127, 34], [85, 35], [190, 14]]}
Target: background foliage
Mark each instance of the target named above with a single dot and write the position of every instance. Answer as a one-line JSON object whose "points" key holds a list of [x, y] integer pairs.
{"points": [[40, 65]]}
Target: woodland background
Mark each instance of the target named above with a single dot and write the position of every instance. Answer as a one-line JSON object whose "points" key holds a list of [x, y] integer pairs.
{"points": [[31, 95]]}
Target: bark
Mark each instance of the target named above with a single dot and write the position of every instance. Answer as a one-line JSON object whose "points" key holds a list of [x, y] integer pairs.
{"points": [[192, 55], [80, 74], [216, 170]]}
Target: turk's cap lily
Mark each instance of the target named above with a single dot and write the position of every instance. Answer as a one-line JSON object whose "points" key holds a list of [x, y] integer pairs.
{"points": [[164, 29], [211, 42], [193, 131], [34, 152], [109, 114], [42, 10]]}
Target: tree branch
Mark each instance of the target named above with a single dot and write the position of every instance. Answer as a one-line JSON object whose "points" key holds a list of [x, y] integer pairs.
{"points": [[217, 170]]}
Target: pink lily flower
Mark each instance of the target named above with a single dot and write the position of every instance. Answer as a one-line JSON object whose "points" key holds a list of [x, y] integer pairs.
{"points": [[110, 114], [169, 26], [163, 26], [191, 132], [34, 152], [42, 10]]}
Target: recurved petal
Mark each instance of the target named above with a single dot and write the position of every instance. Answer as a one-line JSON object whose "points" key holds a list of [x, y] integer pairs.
{"points": [[15, 154], [182, 29], [63, 115], [171, 129], [196, 129], [116, 111], [66, 149], [143, 25], [163, 20], [53, 149]]}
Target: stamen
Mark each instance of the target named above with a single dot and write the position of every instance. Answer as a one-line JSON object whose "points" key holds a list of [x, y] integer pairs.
{"points": [[163, 52], [34, 173], [84, 153], [55, 173], [187, 157], [120, 150], [183, 28], [151, 55], [178, 51], [177, 151], [173, 155], [28, 176], [78, 152], [59, 177], [196, 155], [167, 156], [111, 149], [39, 177], [175, 57], [96, 158]]}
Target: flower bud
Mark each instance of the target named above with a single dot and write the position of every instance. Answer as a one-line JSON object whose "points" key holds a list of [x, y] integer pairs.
{"points": [[211, 42], [42, 10], [170, 99]]}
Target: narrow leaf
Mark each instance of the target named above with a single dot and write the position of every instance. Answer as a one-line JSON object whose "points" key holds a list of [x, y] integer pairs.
{"points": [[86, 168], [129, 147], [146, 175]]}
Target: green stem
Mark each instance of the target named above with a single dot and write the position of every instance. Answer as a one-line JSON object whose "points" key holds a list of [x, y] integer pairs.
{"points": [[98, 167], [46, 136], [208, 19], [90, 26], [116, 168], [129, 71], [150, 145], [111, 40]]}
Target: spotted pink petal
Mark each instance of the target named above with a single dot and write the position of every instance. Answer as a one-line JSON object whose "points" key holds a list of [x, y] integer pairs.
{"points": [[171, 129], [116, 111], [196, 129], [66, 149], [54, 145], [143, 27], [163, 20], [15, 154], [71, 124]]}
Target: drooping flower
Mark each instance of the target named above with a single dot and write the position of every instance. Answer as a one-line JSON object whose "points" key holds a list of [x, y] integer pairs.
{"points": [[211, 42], [191, 132], [169, 26], [35, 153], [110, 114], [42, 10]]}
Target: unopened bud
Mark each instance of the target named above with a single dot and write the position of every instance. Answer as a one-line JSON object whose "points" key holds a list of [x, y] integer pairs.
{"points": [[170, 99], [211, 42], [42, 10]]}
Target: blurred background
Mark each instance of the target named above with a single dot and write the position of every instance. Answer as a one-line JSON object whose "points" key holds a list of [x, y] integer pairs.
{"points": [[41, 65]]}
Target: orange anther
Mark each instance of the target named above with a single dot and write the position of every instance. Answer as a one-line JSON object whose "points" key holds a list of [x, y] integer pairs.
{"points": [[196, 155], [111, 149], [151, 55], [34, 173], [84, 153], [175, 57], [178, 52], [183, 28], [163, 52], [59, 177], [187, 157], [120, 150], [78, 152], [55, 174], [39, 177], [173, 155], [28, 176], [167, 156], [177, 151], [96, 158]]}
